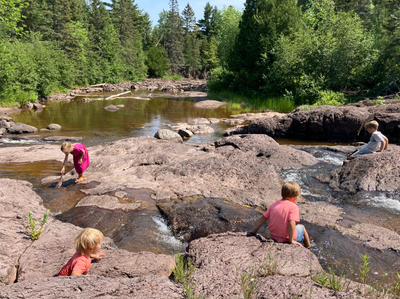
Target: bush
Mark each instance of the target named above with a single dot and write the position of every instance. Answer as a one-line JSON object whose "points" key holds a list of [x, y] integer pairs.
{"points": [[331, 98]]}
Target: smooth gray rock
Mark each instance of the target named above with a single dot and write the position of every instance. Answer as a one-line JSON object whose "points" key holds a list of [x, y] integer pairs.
{"points": [[55, 127], [199, 121], [167, 134], [19, 128], [38, 106], [185, 133], [111, 108], [201, 129]]}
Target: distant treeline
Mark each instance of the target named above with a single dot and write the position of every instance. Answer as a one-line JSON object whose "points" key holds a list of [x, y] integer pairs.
{"points": [[300, 49]]}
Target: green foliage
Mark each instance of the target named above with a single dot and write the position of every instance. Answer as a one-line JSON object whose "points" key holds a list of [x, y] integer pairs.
{"points": [[377, 102], [364, 269], [248, 282], [183, 274], [321, 279], [396, 286], [157, 62], [331, 98], [35, 234], [10, 17]]}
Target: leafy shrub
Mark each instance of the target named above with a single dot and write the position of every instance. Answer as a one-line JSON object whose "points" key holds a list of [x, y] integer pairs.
{"points": [[32, 225], [329, 97]]}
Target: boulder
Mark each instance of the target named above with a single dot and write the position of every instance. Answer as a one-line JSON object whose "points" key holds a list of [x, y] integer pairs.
{"points": [[38, 106], [144, 287], [199, 121], [374, 172], [56, 127], [17, 199], [120, 106], [209, 104], [111, 108], [51, 252], [232, 122], [62, 138], [220, 259], [6, 123], [166, 134], [185, 133], [19, 128], [201, 129], [213, 120], [31, 153], [3, 131]]}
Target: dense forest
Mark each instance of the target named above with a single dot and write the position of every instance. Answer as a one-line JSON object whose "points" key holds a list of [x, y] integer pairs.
{"points": [[304, 50]]}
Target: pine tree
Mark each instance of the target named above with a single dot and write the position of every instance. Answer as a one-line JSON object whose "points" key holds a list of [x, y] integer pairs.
{"points": [[174, 38], [191, 50]]}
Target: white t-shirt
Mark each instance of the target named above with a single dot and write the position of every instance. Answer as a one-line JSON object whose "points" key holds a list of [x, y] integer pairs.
{"points": [[374, 143]]}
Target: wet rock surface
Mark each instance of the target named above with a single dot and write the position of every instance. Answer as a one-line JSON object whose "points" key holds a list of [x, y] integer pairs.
{"points": [[19, 128], [194, 219], [209, 104], [374, 172], [17, 199], [144, 287]]}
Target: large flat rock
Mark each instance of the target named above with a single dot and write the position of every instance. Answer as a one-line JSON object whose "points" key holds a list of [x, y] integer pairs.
{"points": [[31, 153], [220, 259], [51, 252], [144, 287], [16, 200]]}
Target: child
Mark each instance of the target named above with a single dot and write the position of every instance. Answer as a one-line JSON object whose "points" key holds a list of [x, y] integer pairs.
{"points": [[81, 158], [377, 143], [283, 215], [87, 243]]}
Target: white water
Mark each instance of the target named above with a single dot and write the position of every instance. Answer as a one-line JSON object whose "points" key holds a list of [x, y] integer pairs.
{"points": [[165, 233]]}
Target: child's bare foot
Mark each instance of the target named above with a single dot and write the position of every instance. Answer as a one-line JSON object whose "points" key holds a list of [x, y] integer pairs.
{"points": [[80, 179]]}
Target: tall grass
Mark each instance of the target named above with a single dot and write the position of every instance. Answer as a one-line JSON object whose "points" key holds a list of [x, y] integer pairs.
{"points": [[250, 102]]}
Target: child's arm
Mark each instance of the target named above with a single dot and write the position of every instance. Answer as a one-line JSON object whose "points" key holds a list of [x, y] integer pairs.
{"points": [[75, 273], [81, 157], [386, 144], [291, 230], [259, 223], [97, 255], [64, 163]]}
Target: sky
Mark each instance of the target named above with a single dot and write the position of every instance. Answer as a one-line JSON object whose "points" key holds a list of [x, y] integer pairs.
{"points": [[154, 7]]}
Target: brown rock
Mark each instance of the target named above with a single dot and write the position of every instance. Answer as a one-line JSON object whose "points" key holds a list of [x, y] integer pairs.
{"points": [[16, 200], [144, 287]]}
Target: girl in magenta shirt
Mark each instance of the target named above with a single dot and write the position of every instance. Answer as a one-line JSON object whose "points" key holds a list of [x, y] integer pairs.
{"points": [[81, 158]]}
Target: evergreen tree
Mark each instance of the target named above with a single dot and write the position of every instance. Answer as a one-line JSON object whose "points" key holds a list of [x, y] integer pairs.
{"points": [[263, 22], [174, 38], [209, 25]]}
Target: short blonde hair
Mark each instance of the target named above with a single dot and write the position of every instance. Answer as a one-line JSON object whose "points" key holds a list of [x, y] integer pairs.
{"points": [[89, 238], [290, 189], [372, 124], [67, 147]]}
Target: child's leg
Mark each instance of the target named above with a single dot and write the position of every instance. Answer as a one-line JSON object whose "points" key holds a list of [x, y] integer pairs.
{"points": [[306, 240], [81, 178]]}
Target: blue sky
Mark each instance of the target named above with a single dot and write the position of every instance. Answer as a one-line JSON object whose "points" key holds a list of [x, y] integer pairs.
{"points": [[154, 7]]}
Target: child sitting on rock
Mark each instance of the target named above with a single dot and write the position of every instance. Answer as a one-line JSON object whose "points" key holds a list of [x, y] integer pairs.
{"points": [[283, 215], [87, 243], [377, 143]]}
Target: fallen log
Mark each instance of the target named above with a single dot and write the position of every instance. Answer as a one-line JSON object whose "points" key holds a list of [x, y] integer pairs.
{"points": [[116, 95]]}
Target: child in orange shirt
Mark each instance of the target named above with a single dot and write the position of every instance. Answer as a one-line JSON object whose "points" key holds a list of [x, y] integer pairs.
{"points": [[283, 215], [87, 243]]}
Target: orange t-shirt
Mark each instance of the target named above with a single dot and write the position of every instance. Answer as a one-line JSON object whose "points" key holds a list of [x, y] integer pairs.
{"points": [[78, 262], [279, 215]]}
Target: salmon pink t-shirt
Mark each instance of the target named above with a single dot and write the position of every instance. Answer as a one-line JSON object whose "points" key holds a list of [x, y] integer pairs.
{"points": [[279, 215], [78, 262]]}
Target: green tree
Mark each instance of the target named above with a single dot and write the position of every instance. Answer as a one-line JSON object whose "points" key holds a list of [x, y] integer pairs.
{"points": [[174, 38], [157, 62], [10, 17]]}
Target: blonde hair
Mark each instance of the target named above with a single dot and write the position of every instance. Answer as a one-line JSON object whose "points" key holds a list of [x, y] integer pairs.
{"points": [[89, 238], [372, 124], [67, 147], [290, 189]]}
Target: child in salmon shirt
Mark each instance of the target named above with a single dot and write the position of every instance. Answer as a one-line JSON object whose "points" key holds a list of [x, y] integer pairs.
{"points": [[283, 215], [87, 243]]}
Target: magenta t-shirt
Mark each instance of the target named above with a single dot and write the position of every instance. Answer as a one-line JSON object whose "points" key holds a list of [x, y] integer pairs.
{"points": [[279, 215]]}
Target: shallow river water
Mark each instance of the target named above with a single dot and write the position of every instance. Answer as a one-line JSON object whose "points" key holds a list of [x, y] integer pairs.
{"points": [[146, 229]]}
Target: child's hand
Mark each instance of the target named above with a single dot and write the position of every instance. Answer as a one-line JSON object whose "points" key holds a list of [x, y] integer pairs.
{"points": [[97, 255], [80, 162], [297, 243]]}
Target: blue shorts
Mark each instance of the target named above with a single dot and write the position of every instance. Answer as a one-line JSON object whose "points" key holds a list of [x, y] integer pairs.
{"points": [[300, 233]]}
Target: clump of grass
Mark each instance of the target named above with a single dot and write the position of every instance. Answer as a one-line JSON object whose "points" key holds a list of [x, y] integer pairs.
{"points": [[396, 286], [172, 77], [321, 279], [35, 234], [248, 282], [269, 266], [183, 274]]}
